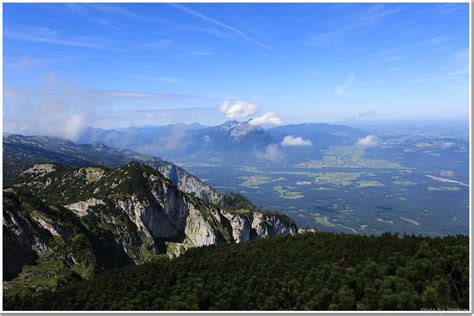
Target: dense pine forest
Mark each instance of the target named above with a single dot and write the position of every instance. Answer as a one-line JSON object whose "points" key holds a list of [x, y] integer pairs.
{"points": [[309, 271]]}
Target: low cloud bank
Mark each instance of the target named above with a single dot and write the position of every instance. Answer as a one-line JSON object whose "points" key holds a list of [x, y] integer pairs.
{"points": [[295, 141], [269, 118], [272, 153], [368, 141]]}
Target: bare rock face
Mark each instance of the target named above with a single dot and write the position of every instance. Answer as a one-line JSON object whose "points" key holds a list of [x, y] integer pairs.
{"points": [[269, 225], [241, 226], [81, 208], [188, 183], [198, 230], [21, 242], [117, 217]]}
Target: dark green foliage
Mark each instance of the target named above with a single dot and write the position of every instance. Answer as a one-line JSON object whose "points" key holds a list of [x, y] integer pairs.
{"points": [[236, 201], [21, 152], [38, 215], [310, 271]]}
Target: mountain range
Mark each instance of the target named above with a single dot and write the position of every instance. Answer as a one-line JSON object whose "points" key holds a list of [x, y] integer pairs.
{"points": [[20, 152], [225, 143], [74, 211], [87, 226]]}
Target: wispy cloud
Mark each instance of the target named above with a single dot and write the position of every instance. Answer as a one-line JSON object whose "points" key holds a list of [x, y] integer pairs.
{"points": [[363, 115], [393, 69], [63, 113], [39, 58], [50, 36], [153, 78], [395, 58], [90, 12], [82, 11], [24, 62], [218, 23], [152, 116], [386, 52], [272, 153], [437, 40], [453, 7], [206, 30], [200, 52], [385, 58], [120, 11], [370, 16], [351, 22], [70, 108], [115, 94], [161, 44], [342, 89], [455, 75]]}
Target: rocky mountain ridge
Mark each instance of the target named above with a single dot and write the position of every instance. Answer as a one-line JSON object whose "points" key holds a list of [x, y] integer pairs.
{"points": [[20, 152], [73, 223]]}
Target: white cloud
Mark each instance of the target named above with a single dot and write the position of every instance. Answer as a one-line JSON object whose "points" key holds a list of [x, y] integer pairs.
{"points": [[218, 23], [269, 118], [201, 52], [50, 36], [343, 87], [295, 141], [63, 110], [395, 58], [29, 93], [447, 144], [368, 141], [161, 44], [364, 115], [271, 153], [452, 8], [239, 109], [153, 78], [344, 27]]}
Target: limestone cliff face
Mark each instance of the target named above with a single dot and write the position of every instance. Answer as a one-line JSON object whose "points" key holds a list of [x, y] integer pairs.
{"points": [[241, 226], [21, 151], [122, 216], [189, 183], [257, 225], [23, 240], [266, 225], [199, 230]]}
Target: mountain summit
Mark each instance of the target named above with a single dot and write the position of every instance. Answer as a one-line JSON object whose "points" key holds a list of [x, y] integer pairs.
{"points": [[238, 130]]}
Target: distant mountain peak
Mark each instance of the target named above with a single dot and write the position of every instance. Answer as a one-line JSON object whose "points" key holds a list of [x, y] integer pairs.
{"points": [[237, 130], [229, 125]]}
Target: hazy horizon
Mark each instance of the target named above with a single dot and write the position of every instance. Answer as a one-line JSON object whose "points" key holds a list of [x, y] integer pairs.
{"points": [[158, 64]]}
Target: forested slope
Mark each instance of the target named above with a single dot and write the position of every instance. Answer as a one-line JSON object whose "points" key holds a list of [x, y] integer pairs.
{"points": [[309, 271]]}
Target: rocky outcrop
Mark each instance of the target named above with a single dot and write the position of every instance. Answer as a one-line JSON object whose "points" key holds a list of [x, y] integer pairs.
{"points": [[81, 208], [23, 240], [271, 225], [127, 215], [241, 226], [199, 230], [188, 183], [20, 151]]}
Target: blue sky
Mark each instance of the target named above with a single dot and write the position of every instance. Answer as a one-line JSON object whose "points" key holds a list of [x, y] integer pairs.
{"points": [[116, 65]]}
